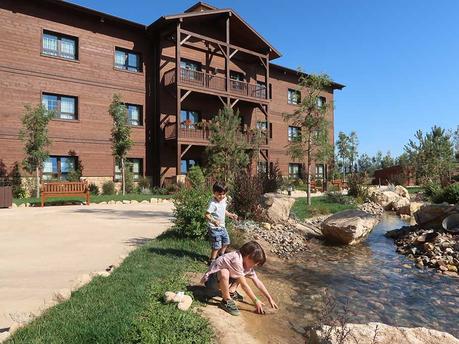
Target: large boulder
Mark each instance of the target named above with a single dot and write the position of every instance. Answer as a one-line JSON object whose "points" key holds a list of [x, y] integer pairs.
{"points": [[396, 199], [433, 214], [348, 227], [402, 206], [277, 206], [378, 333]]}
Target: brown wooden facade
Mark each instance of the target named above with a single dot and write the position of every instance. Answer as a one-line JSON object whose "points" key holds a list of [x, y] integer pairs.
{"points": [[193, 63]]}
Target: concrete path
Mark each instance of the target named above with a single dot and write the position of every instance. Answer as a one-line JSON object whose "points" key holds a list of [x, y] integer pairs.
{"points": [[43, 250]]}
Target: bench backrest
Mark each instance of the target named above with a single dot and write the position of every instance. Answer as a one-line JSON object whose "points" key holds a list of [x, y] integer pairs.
{"points": [[62, 187]]}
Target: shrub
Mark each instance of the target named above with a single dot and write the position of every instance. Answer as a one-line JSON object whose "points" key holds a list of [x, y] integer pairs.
{"points": [[143, 183], [129, 178], [93, 189], [172, 188], [357, 188], [190, 207], [108, 188], [246, 195], [16, 182], [196, 177], [338, 197], [449, 194], [273, 180], [159, 191]]}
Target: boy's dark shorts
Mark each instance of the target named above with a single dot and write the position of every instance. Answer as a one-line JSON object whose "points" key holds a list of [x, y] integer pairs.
{"points": [[212, 286]]}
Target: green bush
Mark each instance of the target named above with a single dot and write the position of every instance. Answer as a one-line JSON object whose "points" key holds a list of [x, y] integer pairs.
{"points": [[159, 191], [190, 207], [273, 180], [129, 178], [357, 187], [93, 189], [108, 188], [16, 182], [172, 189], [432, 189], [196, 177], [143, 183], [449, 194], [338, 197]]}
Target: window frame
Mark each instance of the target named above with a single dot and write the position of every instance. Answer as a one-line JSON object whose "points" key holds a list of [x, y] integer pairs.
{"points": [[192, 125], [290, 137], [188, 165], [59, 112], [136, 177], [59, 175], [59, 36], [290, 99], [299, 173], [140, 108], [126, 65]]}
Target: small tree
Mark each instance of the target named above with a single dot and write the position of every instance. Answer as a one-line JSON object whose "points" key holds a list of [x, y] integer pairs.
{"points": [[342, 145], [353, 150], [227, 153], [121, 135], [311, 117], [431, 155], [34, 135]]}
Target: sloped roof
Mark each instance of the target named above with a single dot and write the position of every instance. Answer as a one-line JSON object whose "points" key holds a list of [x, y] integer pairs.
{"points": [[201, 10]]}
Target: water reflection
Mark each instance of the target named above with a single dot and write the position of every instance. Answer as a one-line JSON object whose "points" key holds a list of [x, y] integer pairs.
{"points": [[377, 284]]}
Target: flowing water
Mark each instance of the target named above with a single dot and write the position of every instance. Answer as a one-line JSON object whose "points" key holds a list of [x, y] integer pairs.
{"points": [[375, 283]]}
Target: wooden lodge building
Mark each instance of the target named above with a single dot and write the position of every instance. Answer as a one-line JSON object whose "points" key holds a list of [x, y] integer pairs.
{"points": [[173, 75]]}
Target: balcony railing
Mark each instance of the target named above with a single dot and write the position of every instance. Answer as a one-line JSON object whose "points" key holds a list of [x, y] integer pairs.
{"points": [[213, 82], [203, 135]]}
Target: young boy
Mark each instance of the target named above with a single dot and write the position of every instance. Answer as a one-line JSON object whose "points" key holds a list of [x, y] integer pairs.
{"points": [[230, 270], [215, 215]]}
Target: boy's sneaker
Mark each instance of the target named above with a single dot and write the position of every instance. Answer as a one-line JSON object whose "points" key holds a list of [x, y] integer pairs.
{"points": [[230, 307], [236, 296]]}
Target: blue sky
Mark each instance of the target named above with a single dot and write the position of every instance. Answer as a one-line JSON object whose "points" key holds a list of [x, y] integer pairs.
{"points": [[399, 59]]}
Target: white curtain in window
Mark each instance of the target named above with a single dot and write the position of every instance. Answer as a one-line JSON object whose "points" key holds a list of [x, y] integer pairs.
{"points": [[120, 58], [67, 108], [48, 166], [136, 166], [50, 44], [67, 47], [134, 115]]}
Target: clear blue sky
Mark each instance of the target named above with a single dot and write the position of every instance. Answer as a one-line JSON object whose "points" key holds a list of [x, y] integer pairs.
{"points": [[399, 59]]}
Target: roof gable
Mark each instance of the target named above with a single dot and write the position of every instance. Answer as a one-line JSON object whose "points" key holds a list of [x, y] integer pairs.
{"points": [[200, 7]]}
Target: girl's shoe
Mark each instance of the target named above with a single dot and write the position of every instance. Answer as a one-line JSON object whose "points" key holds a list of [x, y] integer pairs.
{"points": [[230, 307], [236, 296], [210, 261]]}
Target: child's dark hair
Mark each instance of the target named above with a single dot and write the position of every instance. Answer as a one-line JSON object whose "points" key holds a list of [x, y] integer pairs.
{"points": [[219, 187], [254, 251]]}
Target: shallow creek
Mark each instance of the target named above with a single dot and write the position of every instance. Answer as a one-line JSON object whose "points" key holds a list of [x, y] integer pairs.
{"points": [[375, 282]]}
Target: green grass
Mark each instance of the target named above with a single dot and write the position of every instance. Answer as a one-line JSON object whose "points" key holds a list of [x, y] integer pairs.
{"points": [[414, 189], [127, 306], [94, 199], [319, 206]]}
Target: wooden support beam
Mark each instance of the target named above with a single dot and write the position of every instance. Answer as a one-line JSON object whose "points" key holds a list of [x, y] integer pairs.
{"points": [[227, 60], [263, 62], [185, 95], [221, 99], [185, 39], [222, 50], [179, 102], [185, 150], [261, 107], [234, 103], [209, 39], [233, 53], [263, 155]]}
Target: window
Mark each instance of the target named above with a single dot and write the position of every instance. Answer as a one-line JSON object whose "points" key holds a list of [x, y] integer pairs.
{"points": [[64, 107], [321, 101], [236, 76], [320, 171], [190, 70], [294, 133], [262, 166], [56, 44], [135, 167], [58, 167], [187, 164], [260, 91], [294, 96], [134, 114], [294, 171], [262, 125], [237, 81], [127, 60], [188, 119], [191, 65]]}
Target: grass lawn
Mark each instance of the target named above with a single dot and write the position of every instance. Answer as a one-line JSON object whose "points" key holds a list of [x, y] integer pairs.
{"points": [[414, 189], [94, 199], [127, 306], [320, 206]]}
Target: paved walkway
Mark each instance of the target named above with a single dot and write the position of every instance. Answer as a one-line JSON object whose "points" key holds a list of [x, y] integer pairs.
{"points": [[43, 250]]}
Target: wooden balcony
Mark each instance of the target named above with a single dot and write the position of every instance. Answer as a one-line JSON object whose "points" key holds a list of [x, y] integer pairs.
{"points": [[201, 80], [201, 136]]}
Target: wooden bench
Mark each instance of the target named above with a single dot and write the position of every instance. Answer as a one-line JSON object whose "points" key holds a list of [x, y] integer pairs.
{"points": [[64, 189]]}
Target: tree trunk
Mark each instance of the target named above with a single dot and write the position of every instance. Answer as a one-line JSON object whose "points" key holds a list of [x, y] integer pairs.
{"points": [[308, 175], [123, 177], [344, 171], [37, 181]]}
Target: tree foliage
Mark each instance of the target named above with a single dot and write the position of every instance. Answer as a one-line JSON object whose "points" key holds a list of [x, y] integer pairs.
{"points": [[310, 115], [431, 155], [34, 135], [121, 135], [227, 152]]}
